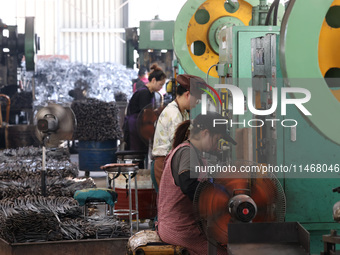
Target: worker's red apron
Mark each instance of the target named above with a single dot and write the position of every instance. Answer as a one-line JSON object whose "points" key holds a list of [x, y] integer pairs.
{"points": [[176, 221]]}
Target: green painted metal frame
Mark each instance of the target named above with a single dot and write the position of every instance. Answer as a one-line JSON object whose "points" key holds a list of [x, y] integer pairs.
{"points": [[179, 39], [241, 58], [180, 32], [300, 66], [299, 60], [309, 201], [242, 40], [30, 44], [145, 28]]}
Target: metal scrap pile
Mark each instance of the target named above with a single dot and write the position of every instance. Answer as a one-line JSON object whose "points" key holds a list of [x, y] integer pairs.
{"points": [[109, 228], [32, 186], [26, 216], [55, 78], [33, 152], [36, 219], [22, 100], [14, 169], [120, 96], [27, 161], [20, 173], [96, 120]]}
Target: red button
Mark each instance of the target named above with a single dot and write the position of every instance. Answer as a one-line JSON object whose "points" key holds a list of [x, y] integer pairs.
{"points": [[245, 211]]}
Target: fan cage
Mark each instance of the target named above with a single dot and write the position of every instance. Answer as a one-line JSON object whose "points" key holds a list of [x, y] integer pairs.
{"points": [[273, 212]]}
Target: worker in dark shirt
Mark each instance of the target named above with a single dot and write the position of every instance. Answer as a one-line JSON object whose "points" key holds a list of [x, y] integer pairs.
{"points": [[180, 178], [141, 98]]}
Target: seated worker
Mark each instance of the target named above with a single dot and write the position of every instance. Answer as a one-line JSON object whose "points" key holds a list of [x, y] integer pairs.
{"points": [[176, 220], [141, 98], [188, 93]]}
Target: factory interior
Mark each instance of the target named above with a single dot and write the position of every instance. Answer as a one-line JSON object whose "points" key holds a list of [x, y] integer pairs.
{"points": [[90, 89]]}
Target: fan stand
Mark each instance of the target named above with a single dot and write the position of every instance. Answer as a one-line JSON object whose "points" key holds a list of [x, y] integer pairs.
{"points": [[53, 123], [43, 170]]}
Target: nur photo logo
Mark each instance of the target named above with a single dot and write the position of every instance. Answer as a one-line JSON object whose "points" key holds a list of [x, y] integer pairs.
{"points": [[238, 105]]}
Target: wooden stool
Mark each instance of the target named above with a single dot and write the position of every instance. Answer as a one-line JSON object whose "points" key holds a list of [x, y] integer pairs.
{"points": [[113, 171], [148, 242]]}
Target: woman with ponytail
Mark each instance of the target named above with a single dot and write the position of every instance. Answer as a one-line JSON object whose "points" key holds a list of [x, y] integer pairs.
{"points": [[176, 221], [188, 92], [141, 98]]}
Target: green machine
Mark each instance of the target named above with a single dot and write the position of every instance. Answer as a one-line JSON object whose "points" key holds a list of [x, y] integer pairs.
{"points": [[302, 53], [296, 144], [13, 47], [307, 57], [153, 44], [236, 56], [311, 147], [200, 27]]}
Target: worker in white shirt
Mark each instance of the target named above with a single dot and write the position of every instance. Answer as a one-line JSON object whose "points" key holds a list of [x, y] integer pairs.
{"points": [[188, 93]]}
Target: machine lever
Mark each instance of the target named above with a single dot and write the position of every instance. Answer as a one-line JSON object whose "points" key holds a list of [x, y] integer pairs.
{"points": [[293, 134]]}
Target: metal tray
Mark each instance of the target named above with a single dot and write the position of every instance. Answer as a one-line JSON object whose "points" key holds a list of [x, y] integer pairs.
{"points": [[268, 238], [106, 246]]}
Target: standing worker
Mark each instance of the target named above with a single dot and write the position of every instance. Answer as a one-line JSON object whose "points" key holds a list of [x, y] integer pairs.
{"points": [[141, 98], [188, 93], [142, 79]]}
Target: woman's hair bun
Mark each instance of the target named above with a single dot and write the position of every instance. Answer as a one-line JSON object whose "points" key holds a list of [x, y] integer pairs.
{"points": [[155, 67]]}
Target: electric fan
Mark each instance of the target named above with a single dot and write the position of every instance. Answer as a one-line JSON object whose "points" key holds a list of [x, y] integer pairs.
{"points": [[237, 197], [53, 123], [147, 118]]}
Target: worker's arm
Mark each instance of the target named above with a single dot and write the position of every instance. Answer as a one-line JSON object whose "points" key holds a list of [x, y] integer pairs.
{"points": [[181, 166], [188, 184]]}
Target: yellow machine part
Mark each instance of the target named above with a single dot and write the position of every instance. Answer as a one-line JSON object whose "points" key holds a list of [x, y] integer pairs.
{"points": [[169, 87], [199, 32], [329, 54]]}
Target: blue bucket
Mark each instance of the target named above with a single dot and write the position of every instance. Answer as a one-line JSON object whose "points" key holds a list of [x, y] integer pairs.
{"points": [[92, 154]]}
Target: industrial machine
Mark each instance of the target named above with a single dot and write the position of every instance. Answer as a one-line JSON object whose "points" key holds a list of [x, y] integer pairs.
{"points": [[297, 54], [53, 123], [212, 31], [333, 238], [289, 63], [15, 48], [199, 24], [153, 44]]}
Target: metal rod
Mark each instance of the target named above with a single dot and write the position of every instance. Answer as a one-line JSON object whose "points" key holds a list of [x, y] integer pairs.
{"points": [[110, 180], [43, 172], [130, 203], [33, 89], [136, 201]]}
